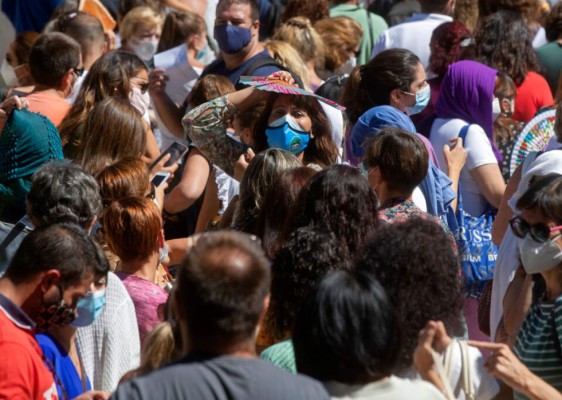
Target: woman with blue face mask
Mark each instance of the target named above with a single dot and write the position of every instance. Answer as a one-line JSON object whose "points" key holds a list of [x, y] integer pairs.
{"points": [[293, 123], [58, 343], [539, 232]]}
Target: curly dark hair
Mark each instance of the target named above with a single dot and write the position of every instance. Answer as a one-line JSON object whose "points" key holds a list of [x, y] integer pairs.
{"points": [[446, 47], [525, 8], [306, 257], [504, 42], [415, 263], [553, 25], [338, 200], [314, 10]]}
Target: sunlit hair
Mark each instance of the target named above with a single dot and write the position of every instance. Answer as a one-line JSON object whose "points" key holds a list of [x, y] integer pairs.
{"points": [[321, 149], [109, 76], [139, 16], [114, 130], [124, 178], [209, 88], [131, 227], [261, 173], [178, 27], [159, 348], [289, 57], [341, 35], [299, 33]]}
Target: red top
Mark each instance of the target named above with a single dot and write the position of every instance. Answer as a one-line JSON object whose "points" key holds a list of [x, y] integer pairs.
{"points": [[23, 375], [533, 94]]}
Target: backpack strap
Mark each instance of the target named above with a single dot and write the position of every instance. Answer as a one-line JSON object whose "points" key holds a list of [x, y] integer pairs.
{"points": [[16, 230], [463, 132]]}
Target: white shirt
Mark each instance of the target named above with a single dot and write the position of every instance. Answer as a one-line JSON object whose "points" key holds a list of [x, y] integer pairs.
{"points": [[413, 35], [479, 152], [392, 388]]}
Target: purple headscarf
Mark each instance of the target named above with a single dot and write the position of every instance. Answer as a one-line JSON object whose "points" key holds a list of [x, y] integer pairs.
{"points": [[467, 92]]}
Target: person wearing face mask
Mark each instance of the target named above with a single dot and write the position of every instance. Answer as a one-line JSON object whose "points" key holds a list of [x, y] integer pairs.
{"points": [[58, 343], [14, 70], [293, 123], [538, 229], [237, 34], [54, 80], [372, 24], [140, 32], [341, 37], [51, 271]]}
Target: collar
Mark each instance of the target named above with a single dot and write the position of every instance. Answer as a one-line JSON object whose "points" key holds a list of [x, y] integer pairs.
{"points": [[435, 17], [15, 314]]}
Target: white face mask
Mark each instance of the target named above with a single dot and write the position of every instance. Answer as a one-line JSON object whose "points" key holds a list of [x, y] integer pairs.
{"points": [[8, 75], [347, 67], [496, 109], [140, 100], [539, 257], [144, 49]]}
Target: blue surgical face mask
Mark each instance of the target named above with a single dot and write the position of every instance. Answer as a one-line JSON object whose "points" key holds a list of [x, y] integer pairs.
{"points": [[286, 134], [422, 100], [232, 39], [89, 308]]}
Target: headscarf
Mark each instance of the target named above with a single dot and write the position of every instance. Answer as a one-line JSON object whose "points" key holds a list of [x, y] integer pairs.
{"points": [[467, 93], [27, 141], [436, 186]]}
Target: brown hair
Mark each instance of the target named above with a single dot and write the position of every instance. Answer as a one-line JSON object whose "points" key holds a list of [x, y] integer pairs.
{"points": [[288, 57], [402, 158], [341, 35], [178, 27], [131, 227], [109, 76], [114, 130], [314, 10], [23, 44], [300, 34], [321, 149], [124, 178], [209, 88]]}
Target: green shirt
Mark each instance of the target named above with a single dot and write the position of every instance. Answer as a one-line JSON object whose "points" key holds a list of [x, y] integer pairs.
{"points": [[538, 343], [373, 25], [550, 57]]}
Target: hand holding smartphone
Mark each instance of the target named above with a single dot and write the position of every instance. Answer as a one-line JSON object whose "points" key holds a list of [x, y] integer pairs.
{"points": [[176, 151]]}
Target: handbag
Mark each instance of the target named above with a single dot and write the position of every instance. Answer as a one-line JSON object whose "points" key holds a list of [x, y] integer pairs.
{"points": [[474, 241], [444, 369]]}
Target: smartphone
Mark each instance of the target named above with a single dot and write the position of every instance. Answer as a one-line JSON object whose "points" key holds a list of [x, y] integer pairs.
{"points": [[159, 178], [176, 150]]}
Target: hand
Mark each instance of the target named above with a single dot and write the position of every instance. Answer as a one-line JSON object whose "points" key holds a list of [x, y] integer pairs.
{"points": [[432, 337], [161, 168], [455, 155], [93, 395], [504, 365], [282, 76], [9, 104], [157, 81], [242, 164]]}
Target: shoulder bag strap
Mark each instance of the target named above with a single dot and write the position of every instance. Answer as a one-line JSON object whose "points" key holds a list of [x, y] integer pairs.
{"points": [[466, 371], [16, 230]]}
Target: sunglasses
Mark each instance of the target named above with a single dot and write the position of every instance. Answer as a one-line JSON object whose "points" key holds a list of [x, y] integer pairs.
{"points": [[539, 232], [79, 71]]}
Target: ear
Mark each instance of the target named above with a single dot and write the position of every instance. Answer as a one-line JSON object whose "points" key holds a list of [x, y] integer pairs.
{"points": [[256, 25], [396, 96], [49, 279], [505, 106], [67, 81], [264, 309]]}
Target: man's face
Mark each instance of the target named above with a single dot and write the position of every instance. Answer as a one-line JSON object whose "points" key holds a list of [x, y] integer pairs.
{"points": [[236, 15], [71, 293]]}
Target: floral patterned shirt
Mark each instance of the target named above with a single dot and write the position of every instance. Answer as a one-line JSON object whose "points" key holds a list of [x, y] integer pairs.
{"points": [[205, 126]]}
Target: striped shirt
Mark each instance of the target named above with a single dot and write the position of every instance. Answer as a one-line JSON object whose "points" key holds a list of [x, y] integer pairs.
{"points": [[538, 343]]}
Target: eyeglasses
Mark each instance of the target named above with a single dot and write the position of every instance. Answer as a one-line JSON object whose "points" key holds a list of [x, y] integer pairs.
{"points": [[539, 232], [79, 71]]}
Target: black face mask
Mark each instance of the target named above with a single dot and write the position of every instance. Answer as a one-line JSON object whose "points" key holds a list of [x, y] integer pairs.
{"points": [[55, 314]]}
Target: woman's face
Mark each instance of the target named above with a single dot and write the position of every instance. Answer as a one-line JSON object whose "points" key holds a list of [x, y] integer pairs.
{"points": [[283, 105], [535, 216], [140, 80], [408, 99], [143, 33]]}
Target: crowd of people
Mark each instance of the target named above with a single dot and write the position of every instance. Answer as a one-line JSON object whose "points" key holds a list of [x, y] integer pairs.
{"points": [[281, 199]]}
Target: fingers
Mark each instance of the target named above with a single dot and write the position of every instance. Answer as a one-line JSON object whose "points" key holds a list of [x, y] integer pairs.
{"points": [[486, 345], [282, 76]]}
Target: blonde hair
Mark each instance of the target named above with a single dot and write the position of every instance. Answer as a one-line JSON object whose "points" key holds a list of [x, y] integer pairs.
{"points": [[299, 33], [159, 348], [289, 57], [340, 35], [139, 16]]}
